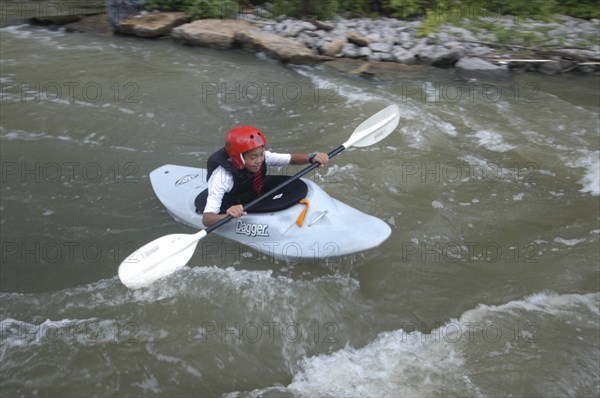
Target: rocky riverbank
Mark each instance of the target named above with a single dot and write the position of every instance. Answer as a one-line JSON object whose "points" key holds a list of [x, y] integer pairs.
{"points": [[490, 46], [483, 45]]}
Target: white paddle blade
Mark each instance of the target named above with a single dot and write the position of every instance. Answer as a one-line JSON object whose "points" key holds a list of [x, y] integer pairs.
{"points": [[157, 259], [375, 128]]}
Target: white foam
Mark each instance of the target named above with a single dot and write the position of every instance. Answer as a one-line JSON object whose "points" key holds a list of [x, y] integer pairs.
{"points": [[331, 89], [590, 161], [492, 141], [415, 364], [127, 110], [85, 332], [569, 242], [591, 179], [149, 384], [395, 364]]}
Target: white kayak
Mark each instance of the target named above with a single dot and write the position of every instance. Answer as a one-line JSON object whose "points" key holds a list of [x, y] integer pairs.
{"points": [[329, 229]]}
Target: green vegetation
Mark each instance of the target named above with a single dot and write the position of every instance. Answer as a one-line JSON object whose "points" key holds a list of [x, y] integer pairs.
{"points": [[578, 8], [205, 9], [322, 9], [198, 9], [433, 12], [167, 5]]}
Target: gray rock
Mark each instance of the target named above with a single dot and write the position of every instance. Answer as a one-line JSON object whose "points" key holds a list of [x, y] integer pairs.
{"points": [[380, 47], [403, 37], [321, 43], [364, 51], [293, 30], [439, 56], [554, 33], [374, 57], [558, 65], [477, 64], [350, 50], [307, 40], [461, 33], [442, 37], [478, 51], [317, 33], [309, 25], [418, 47], [262, 12], [452, 44], [374, 37], [389, 39], [404, 57]]}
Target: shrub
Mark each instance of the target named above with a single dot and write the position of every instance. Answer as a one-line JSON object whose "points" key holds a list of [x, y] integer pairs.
{"points": [[167, 5], [323, 9], [198, 9], [405, 9], [587, 9], [205, 9]]}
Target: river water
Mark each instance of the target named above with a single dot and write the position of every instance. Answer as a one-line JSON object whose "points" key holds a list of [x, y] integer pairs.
{"points": [[488, 285]]}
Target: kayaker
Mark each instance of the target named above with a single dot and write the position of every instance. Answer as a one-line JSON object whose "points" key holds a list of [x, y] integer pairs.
{"points": [[236, 173]]}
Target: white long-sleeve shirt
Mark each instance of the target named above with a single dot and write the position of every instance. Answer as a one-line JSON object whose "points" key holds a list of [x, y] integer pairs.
{"points": [[221, 181]]}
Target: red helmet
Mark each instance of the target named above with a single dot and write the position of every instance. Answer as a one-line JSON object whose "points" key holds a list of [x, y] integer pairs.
{"points": [[243, 139]]}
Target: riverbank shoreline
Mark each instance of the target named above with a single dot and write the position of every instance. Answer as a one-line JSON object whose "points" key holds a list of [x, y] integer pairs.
{"points": [[365, 46]]}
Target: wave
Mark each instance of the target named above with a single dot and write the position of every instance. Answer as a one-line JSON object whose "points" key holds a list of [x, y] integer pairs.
{"points": [[453, 357]]}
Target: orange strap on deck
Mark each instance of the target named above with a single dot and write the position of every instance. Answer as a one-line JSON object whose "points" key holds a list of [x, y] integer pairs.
{"points": [[300, 219]]}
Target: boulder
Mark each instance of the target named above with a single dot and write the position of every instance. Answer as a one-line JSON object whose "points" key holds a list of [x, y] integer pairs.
{"points": [[461, 33], [322, 25], [378, 56], [293, 29], [402, 56], [282, 48], [556, 66], [358, 39], [440, 56], [350, 50], [335, 47], [152, 25], [214, 33], [364, 51], [381, 47], [97, 24], [478, 66]]}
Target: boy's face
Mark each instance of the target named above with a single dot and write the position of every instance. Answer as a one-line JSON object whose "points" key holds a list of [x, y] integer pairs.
{"points": [[254, 158]]}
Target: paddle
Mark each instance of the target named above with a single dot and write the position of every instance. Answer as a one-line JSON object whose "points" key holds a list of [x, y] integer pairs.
{"points": [[167, 254]]}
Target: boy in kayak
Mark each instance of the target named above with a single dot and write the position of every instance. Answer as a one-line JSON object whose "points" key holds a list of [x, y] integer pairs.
{"points": [[236, 173]]}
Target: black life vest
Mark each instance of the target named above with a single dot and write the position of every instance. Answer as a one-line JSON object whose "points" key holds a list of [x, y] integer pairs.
{"points": [[242, 191]]}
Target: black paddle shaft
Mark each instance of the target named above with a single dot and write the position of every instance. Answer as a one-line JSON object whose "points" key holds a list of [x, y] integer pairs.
{"points": [[275, 189]]}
